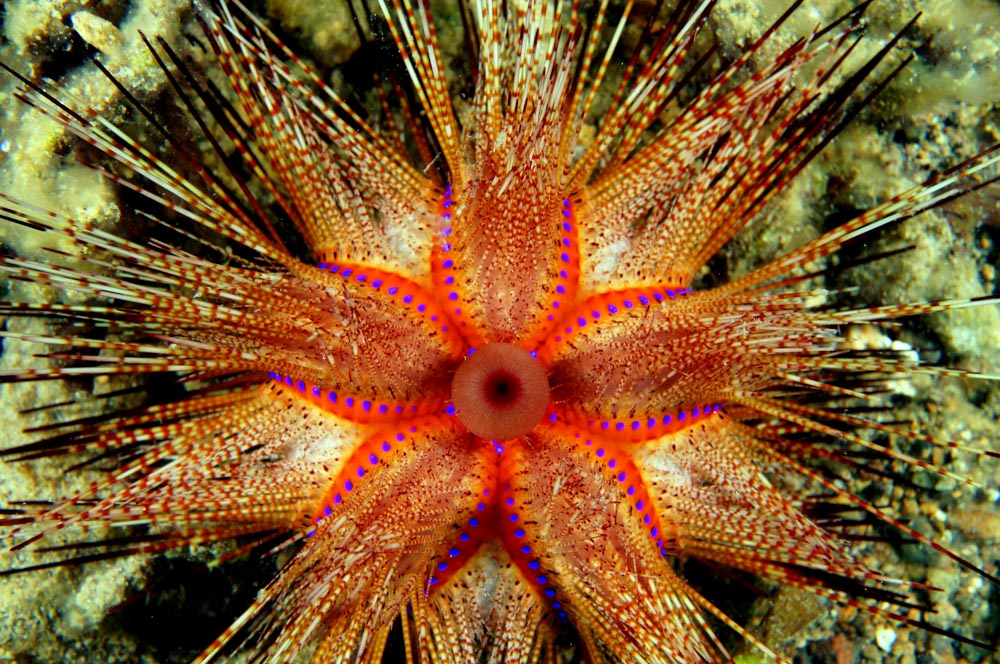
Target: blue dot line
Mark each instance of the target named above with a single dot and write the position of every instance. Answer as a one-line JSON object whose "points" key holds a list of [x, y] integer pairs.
{"points": [[408, 298], [653, 423], [365, 406], [455, 551], [612, 308]]}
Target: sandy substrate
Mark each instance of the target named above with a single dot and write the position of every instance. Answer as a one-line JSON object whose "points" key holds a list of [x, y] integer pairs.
{"points": [[942, 109]]}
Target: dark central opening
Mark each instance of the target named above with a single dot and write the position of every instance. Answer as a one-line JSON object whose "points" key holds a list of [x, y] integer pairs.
{"points": [[502, 388]]}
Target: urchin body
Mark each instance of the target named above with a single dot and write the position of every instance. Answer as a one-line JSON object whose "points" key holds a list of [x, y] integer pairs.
{"points": [[645, 448]]}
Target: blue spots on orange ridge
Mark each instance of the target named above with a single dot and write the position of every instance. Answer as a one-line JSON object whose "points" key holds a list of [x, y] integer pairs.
{"points": [[615, 463], [353, 408], [647, 428], [400, 290], [611, 305]]}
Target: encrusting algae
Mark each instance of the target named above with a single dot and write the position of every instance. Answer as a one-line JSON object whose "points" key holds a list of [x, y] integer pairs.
{"points": [[933, 115]]}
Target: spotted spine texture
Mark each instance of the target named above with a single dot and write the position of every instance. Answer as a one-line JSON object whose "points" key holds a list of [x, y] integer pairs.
{"points": [[318, 412]]}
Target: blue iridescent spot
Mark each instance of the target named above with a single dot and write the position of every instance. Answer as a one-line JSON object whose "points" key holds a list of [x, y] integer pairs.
{"points": [[628, 304], [407, 299], [362, 277], [567, 227], [453, 552], [393, 290], [563, 274], [681, 416], [619, 426], [564, 258], [533, 564], [349, 402], [346, 273], [366, 405], [582, 322], [612, 309], [473, 522], [337, 498], [348, 485], [464, 537], [612, 463], [666, 419], [386, 447], [372, 459], [442, 566], [565, 242], [519, 532], [377, 283], [361, 472], [639, 505], [315, 391], [631, 491], [643, 299], [560, 289], [525, 549], [549, 592], [447, 264], [302, 386], [332, 397], [453, 295]]}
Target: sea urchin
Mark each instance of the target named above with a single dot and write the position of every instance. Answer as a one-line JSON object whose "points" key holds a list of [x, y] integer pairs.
{"points": [[450, 357]]}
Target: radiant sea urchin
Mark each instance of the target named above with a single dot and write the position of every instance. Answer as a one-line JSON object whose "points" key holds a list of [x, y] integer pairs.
{"points": [[611, 308]]}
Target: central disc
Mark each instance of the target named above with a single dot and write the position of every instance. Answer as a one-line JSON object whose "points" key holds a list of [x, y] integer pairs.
{"points": [[500, 392]]}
